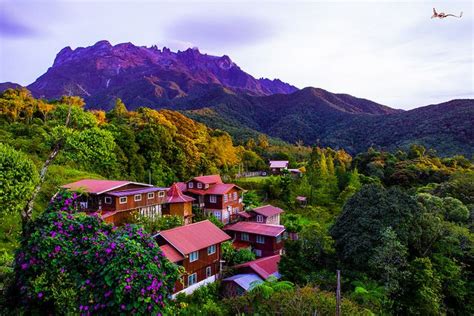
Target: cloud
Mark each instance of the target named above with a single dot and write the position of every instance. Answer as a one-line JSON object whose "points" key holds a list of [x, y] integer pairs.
{"points": [[12, 27], [217, 32]]}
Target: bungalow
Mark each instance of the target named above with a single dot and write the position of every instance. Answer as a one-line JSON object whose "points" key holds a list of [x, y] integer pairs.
{"points": [[118, 201], [249, 273], [223, 200], [267, 214], [277, 166], [197, 248], [264, 239]]}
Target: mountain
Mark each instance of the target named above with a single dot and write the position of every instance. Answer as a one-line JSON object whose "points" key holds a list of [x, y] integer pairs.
{"points": [[316, 116], [8, 85], [215, 91], [144, 75]]}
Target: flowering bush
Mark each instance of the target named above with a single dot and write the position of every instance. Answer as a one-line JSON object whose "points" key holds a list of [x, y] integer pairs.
{"points": [[75, 263]]}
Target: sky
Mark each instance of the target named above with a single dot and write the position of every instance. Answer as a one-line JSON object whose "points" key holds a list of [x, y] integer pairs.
{"points": [[390, 52]]}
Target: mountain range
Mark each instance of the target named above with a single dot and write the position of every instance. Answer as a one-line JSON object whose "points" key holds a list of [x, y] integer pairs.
{"points": [[217, 92]]}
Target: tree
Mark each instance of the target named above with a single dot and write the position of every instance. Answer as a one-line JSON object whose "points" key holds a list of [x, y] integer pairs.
{"points": [[18, 177], [389, 262], [74, 263], [267, 287], [233, 256], [364, 218]]}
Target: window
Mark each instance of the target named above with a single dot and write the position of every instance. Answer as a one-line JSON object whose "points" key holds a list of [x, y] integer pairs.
{"points": [[123, 200], [217, 214], [208, 272], [211, 249], [151, 195], [137, 197], [108, 200], [278, 239], [192, 279], [260, 239], [244, 236], [212, 199], [193, 256], [190, 185], [235, 196], [260, 218], [199, 185], [225, 198], [258, 252], [161, 193]]}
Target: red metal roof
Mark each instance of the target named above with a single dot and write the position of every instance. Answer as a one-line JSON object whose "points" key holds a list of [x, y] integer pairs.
{"points": [[99, 186], [175, 195], [244, 214], [171, 254], [194, 237], [264, 267], [182, 186], [268, 210], [218, 189], [136, 191], [256, 228], [211, 179]]}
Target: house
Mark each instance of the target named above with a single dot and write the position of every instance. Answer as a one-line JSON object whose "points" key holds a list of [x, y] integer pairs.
{"points": [[178, 204], [197, 248], [264, 239], [118, 201], [249, 273], [223, 200], [267, 214], [277, 166]]}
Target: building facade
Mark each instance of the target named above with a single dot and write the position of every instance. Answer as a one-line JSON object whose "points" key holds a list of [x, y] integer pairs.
{"points": [[197, 248]]}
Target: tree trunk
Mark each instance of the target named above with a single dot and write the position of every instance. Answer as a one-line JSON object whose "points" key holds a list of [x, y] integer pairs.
{"points": [[28, 209]]}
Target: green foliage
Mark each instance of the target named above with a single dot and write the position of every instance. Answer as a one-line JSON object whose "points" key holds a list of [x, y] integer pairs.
{"points": [[75, 263], [18, 177], [233, 256], [154, 225]]}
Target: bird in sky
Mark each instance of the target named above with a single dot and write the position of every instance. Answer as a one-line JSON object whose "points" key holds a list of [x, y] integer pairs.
{"points": [[442, 15]]}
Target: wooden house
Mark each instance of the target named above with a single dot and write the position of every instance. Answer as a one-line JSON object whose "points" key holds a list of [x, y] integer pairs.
{"points": [[117, 202], [267, 214], [264, 239], [278, 166], [249, 273], [197, 248], [223, 200]]}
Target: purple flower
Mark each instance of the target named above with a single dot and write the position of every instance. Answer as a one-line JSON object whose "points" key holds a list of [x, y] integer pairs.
{"points": [[122, 307], [128, 288], [57, 249], [53, 234], [40, 294], [24, 266], [108, 250]]}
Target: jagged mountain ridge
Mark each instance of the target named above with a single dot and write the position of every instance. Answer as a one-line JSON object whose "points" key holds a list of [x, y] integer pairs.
{"points": [[144, 75]]}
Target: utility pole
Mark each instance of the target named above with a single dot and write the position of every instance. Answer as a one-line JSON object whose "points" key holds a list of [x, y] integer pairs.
{"points": [[338, 293]]}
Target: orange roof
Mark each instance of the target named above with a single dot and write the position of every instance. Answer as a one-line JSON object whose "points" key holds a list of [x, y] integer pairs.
{"points": [[268, 210], [264, 267], [171, 254], [175, 195], [99, 186], [215, 178], [193, 237]]}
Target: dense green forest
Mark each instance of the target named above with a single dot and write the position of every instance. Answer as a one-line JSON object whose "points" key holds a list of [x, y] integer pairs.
{"points": [[399, 225]]}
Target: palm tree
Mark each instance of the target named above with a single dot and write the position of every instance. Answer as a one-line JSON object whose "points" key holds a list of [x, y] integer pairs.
{"points": [[269, 286]]}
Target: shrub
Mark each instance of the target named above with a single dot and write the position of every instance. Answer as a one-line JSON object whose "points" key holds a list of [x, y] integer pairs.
{"points": [[75, 263]]}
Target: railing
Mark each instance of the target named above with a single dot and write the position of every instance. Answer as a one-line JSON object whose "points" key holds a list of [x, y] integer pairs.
{"points": [[249, 174]]}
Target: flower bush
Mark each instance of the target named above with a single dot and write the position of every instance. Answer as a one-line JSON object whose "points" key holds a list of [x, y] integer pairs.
{"points": [[75, 263]]}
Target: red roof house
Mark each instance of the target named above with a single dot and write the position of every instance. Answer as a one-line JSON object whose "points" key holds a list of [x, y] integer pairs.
{"points": [[223, 200], [267, 214], [264, 239], [197, 248]]}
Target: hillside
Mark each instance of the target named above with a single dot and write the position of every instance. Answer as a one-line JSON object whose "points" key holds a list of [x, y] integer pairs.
{"points": [[217, 92]]}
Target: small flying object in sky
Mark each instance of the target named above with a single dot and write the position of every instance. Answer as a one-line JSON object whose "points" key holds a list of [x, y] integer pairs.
{"points": [[442, 15]]}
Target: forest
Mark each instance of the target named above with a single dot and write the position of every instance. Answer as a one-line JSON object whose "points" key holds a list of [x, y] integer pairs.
{"points": [[398, 225]]}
